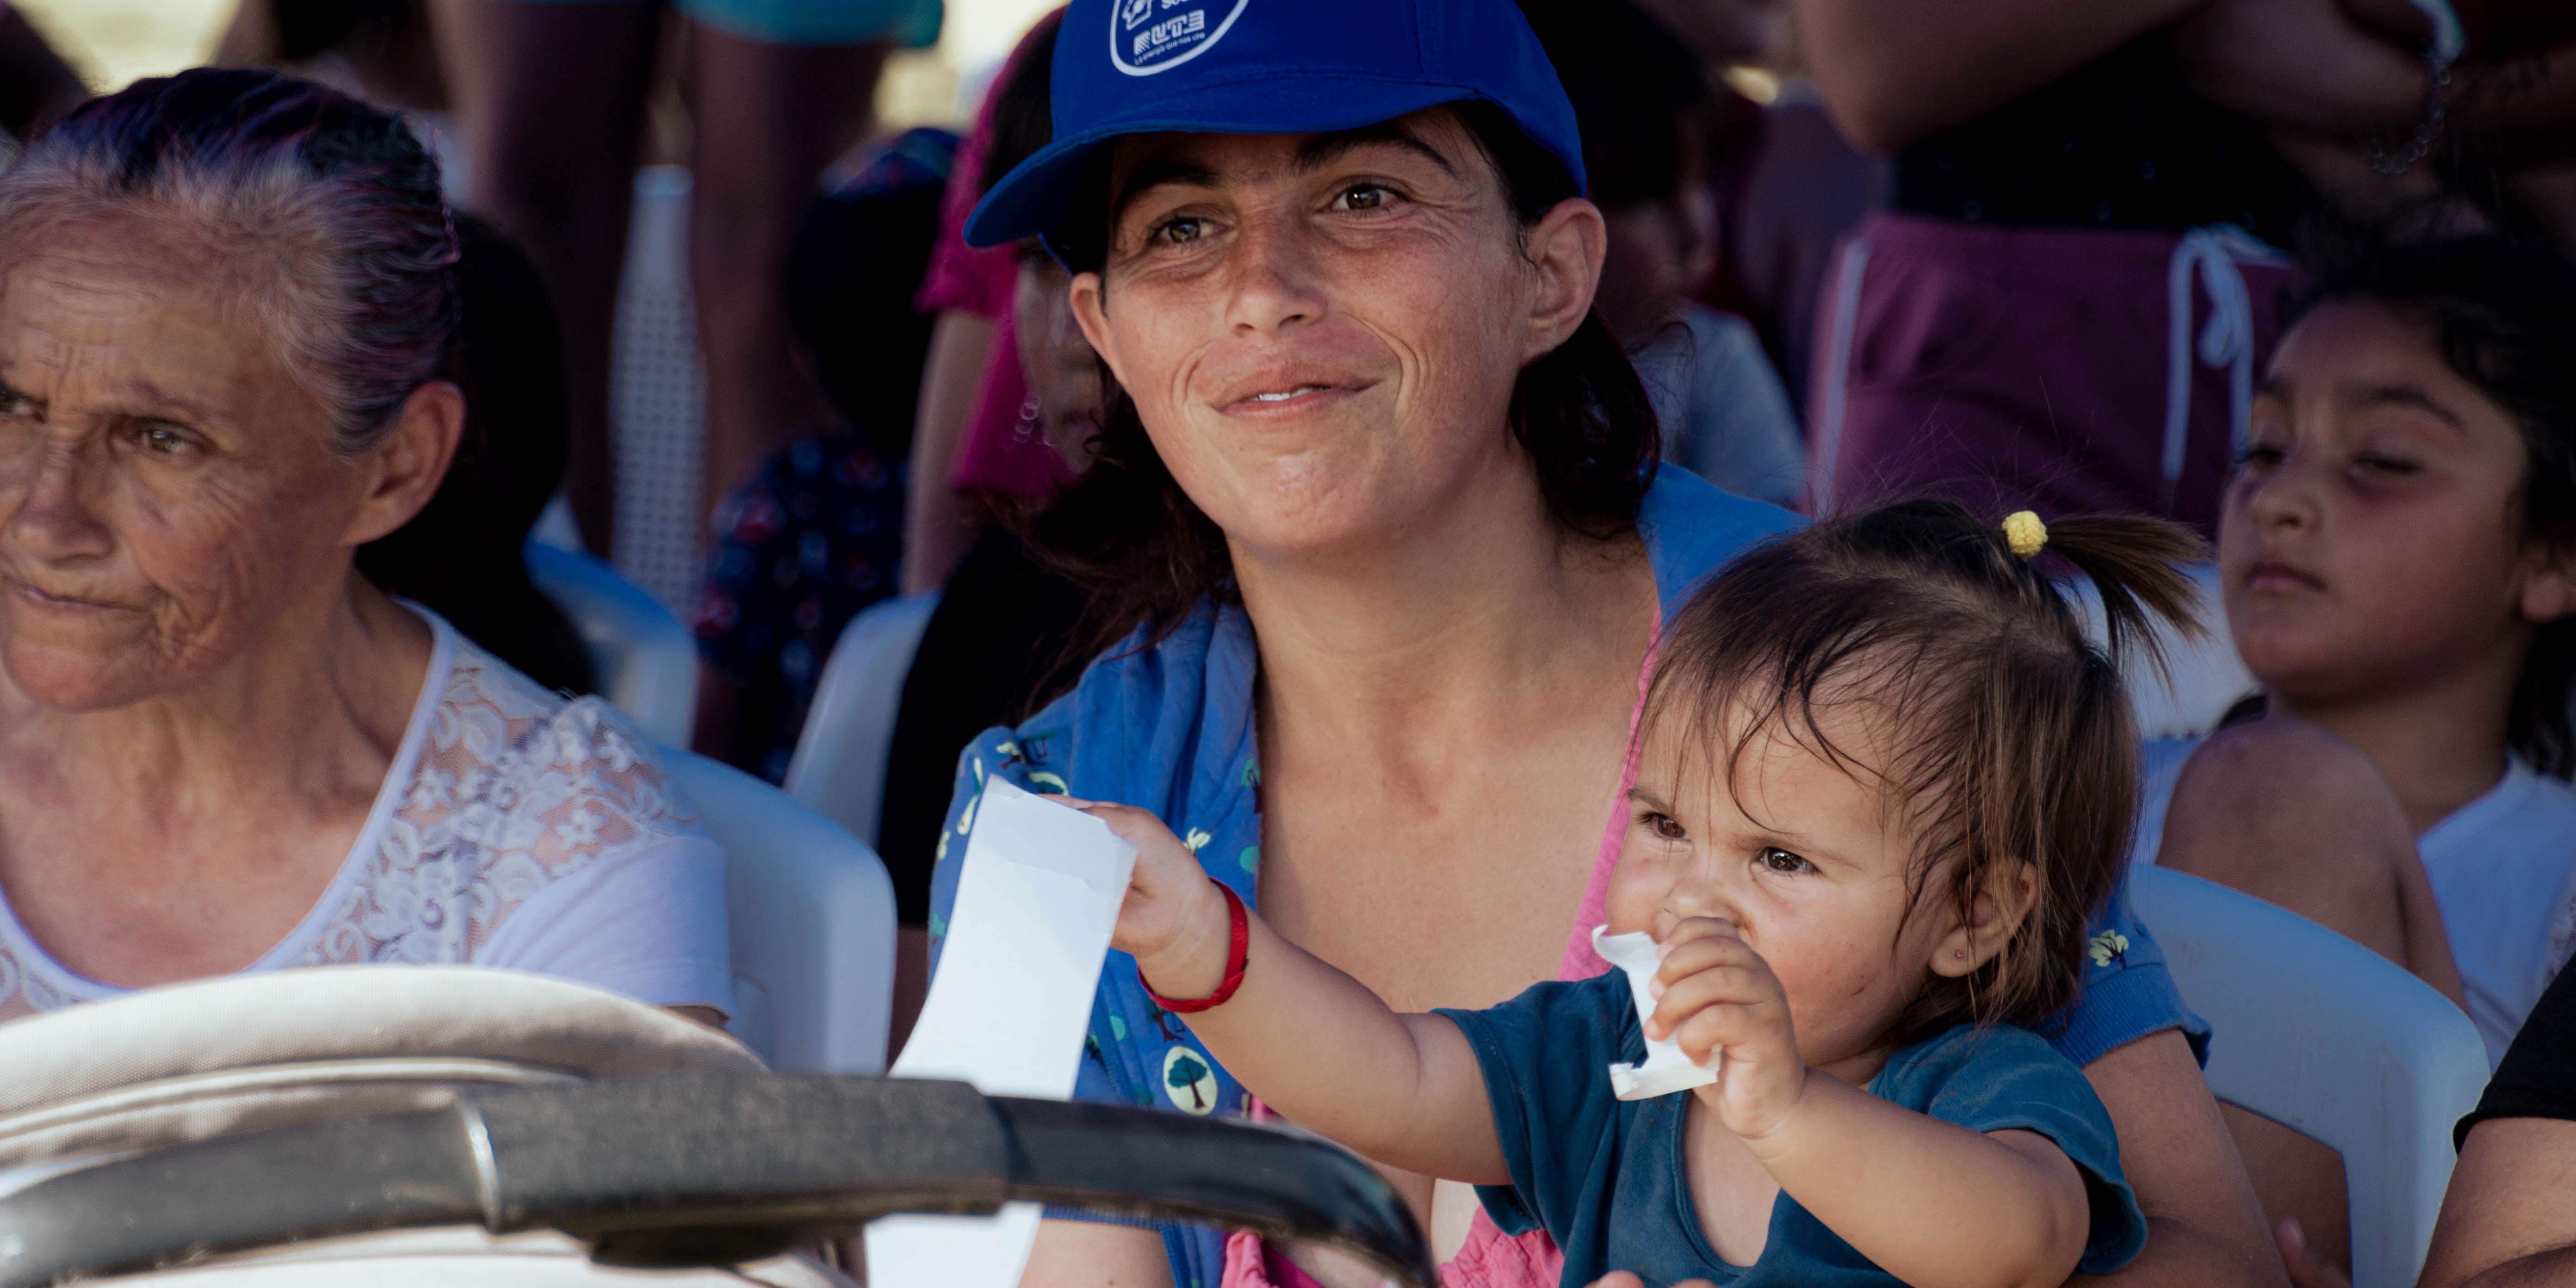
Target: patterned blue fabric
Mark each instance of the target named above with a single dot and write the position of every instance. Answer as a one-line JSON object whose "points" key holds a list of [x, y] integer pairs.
{"points": [[1170, 729]]}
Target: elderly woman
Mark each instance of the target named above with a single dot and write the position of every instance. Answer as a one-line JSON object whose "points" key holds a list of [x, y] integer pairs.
{"points": [[225, 311], [1380, 562]]}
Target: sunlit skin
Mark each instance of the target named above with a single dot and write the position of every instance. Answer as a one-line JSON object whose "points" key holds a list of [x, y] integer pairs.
{"points": [[198, 700], [1794, 940], [146, 455], [1331, 335], [2371, 553]]}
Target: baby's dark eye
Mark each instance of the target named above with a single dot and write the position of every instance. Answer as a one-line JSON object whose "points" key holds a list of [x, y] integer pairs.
{"points": [[2259, 456], [1665, 826], [1783, 862], [2389, 465]]}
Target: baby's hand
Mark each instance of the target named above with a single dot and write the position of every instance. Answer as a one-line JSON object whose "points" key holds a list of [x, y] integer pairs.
{"points": [[1174, 920], [1717, 995]]}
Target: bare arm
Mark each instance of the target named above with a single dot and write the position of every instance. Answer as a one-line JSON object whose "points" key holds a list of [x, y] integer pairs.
{"points": [[1932, 1203], [2509, 1218], [938, 524], [2204, 1227], [1313, 1042], [1895, 71], [1326, 1052], [1089, 1254]]}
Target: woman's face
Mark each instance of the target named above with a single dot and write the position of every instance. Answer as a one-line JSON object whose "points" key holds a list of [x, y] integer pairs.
{"points": [[165, 488], [2373, 537], [1321, 332]]}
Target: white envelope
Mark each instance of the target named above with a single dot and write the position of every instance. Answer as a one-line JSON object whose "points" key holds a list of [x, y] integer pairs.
{"points": [[1037, 896]]}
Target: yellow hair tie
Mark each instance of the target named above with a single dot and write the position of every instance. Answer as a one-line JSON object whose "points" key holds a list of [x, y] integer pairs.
{"points": [[2024, 533]]}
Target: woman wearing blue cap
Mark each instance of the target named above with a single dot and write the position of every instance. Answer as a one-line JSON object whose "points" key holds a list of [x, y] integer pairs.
{"points": [[1379, 560]]}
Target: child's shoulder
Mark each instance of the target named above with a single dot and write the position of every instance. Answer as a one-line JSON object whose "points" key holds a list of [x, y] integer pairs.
{"points": [[1981, 1070]]}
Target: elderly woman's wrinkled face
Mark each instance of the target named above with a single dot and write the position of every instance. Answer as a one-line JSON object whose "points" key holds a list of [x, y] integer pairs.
{"points": [[1321, 332], [165, 488]]}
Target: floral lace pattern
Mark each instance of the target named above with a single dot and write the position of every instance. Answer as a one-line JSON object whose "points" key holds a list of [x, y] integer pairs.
{"points": [[511, 789]]}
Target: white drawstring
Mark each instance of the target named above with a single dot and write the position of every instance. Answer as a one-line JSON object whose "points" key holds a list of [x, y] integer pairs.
{"points": [[1829, 418], [2227, 340]]}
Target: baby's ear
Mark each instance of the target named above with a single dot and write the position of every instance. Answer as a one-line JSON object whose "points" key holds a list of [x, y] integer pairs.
{"points": [[2549, 589], [1995, 911]]}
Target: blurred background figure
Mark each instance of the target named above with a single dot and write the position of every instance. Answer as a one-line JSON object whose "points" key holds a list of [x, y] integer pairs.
{"points": [[978, 443], [35, 84], [1655, 140], [815, 534], [550, 95], [2064, 306]]}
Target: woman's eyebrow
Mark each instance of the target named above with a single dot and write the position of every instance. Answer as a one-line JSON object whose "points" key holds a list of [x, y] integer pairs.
{"points": [[1156, 173], [1324, 149]]}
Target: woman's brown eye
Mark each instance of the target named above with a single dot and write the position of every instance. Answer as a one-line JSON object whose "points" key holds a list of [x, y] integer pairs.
{"points": [[1667, 827]]}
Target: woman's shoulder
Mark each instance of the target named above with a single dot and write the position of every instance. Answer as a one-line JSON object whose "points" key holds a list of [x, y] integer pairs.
{"points": [[501, 740]]}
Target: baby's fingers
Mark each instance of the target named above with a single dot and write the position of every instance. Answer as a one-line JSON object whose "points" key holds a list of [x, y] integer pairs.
{"points": [[1725, 985]]}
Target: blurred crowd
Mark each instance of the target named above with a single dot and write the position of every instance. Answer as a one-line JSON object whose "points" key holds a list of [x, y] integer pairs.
{"points": [[2290, 275]]}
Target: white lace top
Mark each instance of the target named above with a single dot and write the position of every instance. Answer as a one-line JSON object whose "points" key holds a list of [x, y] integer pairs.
{"points": [[516, 828]]}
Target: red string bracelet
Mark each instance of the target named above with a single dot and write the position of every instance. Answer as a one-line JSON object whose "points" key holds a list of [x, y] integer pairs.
{"points": [[1238, 938]]}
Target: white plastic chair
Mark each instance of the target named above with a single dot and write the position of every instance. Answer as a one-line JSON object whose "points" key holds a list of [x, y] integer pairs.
{"points": [[811, 918], [840, 764], [2326, 1037], [646, 661]]}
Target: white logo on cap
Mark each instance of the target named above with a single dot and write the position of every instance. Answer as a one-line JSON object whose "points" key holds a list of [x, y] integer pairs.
{"points": [[1149, 36]]}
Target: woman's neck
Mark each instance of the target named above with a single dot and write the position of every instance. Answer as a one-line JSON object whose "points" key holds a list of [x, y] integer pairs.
{"points": [[2441, 743], [1471, 620], [313, 706]]}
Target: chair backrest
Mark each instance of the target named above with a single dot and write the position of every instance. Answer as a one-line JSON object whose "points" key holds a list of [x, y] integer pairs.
{"points": [[811, 918], [2326, 1037], [840, 763], [646, 661]]}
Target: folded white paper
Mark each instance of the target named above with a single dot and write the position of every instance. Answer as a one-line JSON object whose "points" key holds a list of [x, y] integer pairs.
{"points": [[1666, 1069], [1037, 896]]}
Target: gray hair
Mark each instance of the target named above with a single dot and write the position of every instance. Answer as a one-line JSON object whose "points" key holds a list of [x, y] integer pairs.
{"points": [[319, 216]]}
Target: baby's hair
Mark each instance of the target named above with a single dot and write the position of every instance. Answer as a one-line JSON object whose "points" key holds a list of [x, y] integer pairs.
{"points": [[2499, 311], [2009, 733]]}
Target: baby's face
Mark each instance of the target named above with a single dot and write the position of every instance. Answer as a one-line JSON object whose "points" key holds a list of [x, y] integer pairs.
{"points": [[1803, 856], [2372, 537]]}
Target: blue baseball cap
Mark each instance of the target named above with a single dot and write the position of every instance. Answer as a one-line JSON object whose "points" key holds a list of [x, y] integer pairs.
{"points": [[1270, 67]]}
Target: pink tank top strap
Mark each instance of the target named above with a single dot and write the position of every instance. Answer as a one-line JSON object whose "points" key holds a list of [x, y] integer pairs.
{"points": [[1580, 961]]}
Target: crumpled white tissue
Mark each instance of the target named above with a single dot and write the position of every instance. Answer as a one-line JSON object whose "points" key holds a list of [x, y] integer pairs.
{"points": [[1666, 1069]]}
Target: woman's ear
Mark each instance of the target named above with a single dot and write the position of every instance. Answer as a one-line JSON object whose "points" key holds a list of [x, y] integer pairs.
{"points": [[1997, 910], [1090, 296], [2549, 588], [411, 462], [1566, 247]]}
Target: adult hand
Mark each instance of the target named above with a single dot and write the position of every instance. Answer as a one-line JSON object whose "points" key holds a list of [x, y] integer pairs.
{"points": [[2305, 64], [2307, 1269]]}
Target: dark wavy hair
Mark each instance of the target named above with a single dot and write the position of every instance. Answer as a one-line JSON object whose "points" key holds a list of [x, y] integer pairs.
{"points": [[1145, 552], [2502, 310], [2010, 737]]}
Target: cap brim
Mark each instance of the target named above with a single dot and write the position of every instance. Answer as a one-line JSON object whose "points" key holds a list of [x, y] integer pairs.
{"points": [[1031, 199]]}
